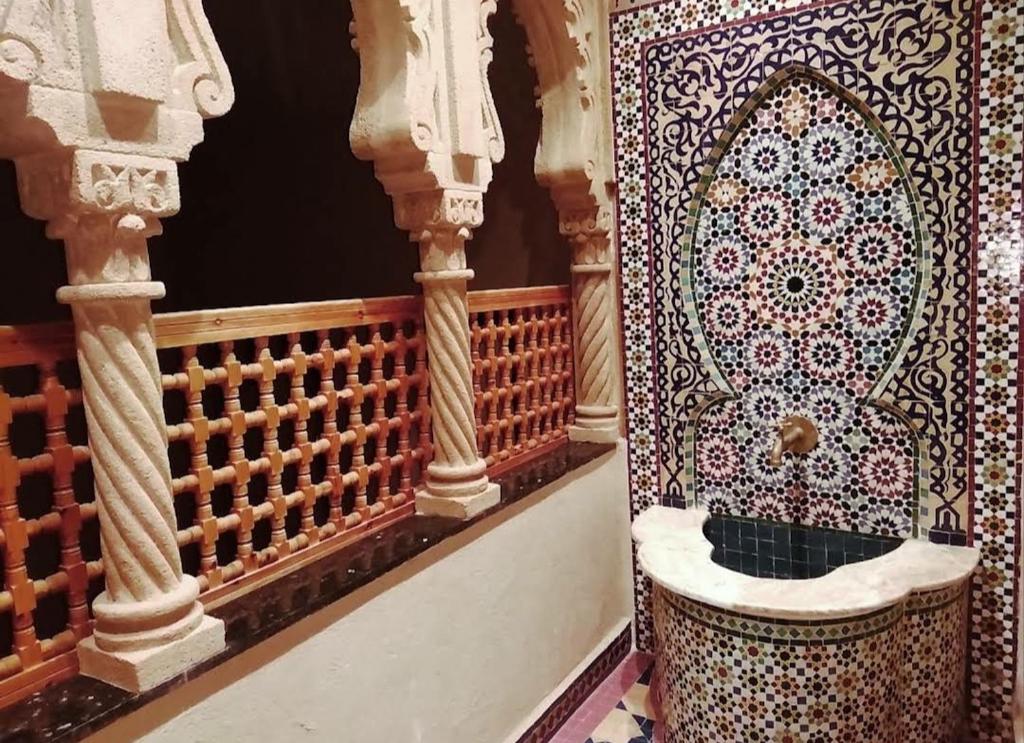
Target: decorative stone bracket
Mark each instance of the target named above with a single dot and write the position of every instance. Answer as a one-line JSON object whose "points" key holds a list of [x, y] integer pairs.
{"points": [[573, 161]]}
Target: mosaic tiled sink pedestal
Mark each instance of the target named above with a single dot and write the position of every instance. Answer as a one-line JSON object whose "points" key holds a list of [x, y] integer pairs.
{"points": [[894, 675]]}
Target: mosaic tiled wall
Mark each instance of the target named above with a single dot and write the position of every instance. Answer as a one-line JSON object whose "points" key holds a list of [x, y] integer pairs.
{"points": [[803, 265], [943, 82], [875, 677]]}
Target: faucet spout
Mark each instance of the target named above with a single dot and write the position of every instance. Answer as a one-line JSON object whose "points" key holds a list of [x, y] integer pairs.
{"points": [[796, 434]]}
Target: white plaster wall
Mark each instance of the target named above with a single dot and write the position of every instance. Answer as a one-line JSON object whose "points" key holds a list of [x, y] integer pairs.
{"points": [[458, 645]]}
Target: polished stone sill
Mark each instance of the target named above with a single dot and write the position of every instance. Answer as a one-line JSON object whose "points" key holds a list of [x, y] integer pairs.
{"points": [[674, 552], [81, 706]]}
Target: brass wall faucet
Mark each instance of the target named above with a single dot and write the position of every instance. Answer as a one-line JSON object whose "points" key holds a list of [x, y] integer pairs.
{"points": [[796, 434]]}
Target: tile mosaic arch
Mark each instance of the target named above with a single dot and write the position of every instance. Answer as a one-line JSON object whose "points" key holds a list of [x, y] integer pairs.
{"points": [[804, 256], [946, 79], [841, 41]]}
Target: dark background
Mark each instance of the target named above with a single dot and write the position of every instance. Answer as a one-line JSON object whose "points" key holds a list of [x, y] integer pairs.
{"points": [[276, 208]]}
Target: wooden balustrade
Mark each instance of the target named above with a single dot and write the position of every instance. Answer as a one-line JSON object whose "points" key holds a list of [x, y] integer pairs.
{"points": [[293, 430], [521, 347]]}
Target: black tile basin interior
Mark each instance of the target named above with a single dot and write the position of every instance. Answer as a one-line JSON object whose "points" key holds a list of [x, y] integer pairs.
{"points": [[768, 549]]}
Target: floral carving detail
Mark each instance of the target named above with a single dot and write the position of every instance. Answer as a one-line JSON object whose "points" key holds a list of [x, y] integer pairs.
{"points": [[118, 188], [439, 209], [85, 181]]}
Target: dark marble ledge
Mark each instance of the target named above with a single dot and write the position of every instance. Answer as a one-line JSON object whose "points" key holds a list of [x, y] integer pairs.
{"points": [[73, 709]]}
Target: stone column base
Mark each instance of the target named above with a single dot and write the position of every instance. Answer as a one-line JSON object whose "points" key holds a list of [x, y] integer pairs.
{"points": [[140, 670], [594, 435], [458, 508]]}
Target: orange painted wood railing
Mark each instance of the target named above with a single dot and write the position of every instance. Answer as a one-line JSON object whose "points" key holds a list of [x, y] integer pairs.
{"points": [[521, 346], [293, 430]]}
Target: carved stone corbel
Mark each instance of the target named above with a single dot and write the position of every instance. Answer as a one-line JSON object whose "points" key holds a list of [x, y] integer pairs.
{"points": [[561, 36]]}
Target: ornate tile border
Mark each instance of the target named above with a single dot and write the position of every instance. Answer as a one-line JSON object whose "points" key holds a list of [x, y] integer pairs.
{"points": [[993, 434], [996, 478], [782, 631]]}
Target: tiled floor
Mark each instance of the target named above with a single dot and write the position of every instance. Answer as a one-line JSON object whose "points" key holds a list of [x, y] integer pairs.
{"points": [[619, 711]]}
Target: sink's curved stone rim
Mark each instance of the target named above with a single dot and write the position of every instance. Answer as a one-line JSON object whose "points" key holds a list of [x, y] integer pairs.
{"points": [[674, 552]]}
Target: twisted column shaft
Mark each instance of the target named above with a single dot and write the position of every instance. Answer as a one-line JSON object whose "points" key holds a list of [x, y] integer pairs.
{"points": [[456, 480], [148, 601], [457, 469], [594, 337], [596, 411], [451, 384]]}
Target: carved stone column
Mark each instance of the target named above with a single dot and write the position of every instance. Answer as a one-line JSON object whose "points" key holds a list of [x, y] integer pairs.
{"points": [[440, 221], [567, 41], [597, 415], [98, 118], [104, 206], [426, 118]]}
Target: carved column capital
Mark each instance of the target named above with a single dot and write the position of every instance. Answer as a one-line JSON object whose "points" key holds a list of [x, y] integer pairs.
{"points": [[588, 231], [66, 183], [582, 222], [442, 209], [441, 222]]}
